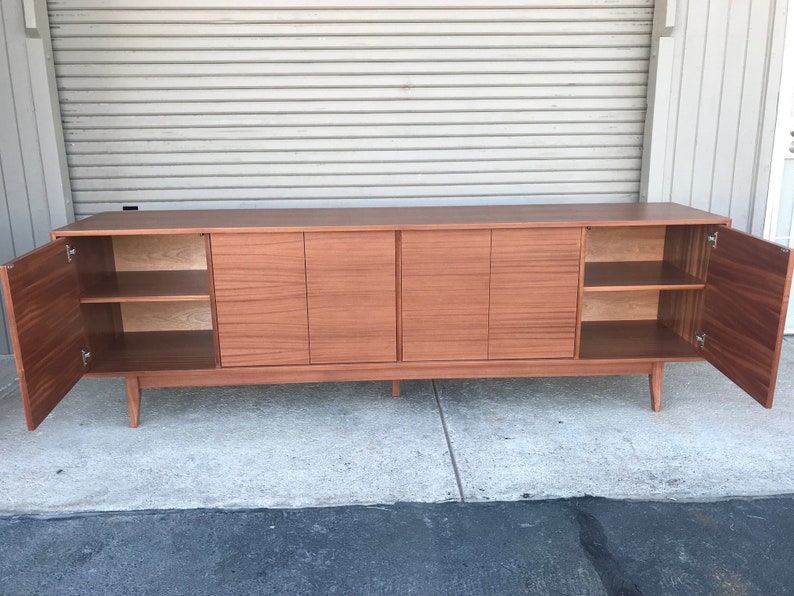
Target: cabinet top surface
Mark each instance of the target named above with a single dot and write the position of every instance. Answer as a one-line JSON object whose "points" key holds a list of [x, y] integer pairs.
{"points": [[388, 218]]}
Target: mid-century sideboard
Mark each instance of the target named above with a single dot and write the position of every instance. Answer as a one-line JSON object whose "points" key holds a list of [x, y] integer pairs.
{"points": [[193, 298]]}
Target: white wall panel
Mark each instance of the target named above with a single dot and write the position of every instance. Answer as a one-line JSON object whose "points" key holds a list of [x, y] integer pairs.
{"points": [[715, 84], [33, 197], [201, 103]]}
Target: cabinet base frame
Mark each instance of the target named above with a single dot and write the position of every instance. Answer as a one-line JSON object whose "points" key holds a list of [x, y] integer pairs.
{"points": [[317, 373]]}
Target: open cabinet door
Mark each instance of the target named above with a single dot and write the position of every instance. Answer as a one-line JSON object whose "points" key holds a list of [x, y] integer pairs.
{"points": [[43, 303], [744, 310]]}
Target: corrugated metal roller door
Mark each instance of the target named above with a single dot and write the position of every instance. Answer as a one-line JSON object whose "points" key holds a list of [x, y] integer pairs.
{"points": [[208, 103]]}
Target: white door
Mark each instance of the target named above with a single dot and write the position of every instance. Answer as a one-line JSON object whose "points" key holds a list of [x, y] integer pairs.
{"points": [[780, 220]]}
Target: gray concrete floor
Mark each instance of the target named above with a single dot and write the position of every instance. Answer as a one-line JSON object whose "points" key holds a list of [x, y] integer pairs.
{"points": [[351, 443]]}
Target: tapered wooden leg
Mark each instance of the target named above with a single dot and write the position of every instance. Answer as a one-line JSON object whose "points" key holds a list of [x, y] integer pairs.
{"points": [[134, 400], [395, 388], [655, 382]]}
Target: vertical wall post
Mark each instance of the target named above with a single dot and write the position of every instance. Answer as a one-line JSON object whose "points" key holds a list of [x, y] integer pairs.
{"points": [[660, 74]]}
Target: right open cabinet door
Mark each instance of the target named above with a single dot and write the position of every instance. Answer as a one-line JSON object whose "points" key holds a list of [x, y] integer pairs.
{"points": [[43, 301], [744, 310]]}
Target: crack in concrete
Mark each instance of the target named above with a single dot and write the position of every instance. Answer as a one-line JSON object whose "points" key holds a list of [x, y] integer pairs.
{"points": [[595, 546], [452, 459], [8, 389]]}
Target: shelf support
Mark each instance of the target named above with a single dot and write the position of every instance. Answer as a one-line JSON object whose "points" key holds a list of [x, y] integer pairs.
{"points": [[655, 382], [134, 400], [395, 388]]}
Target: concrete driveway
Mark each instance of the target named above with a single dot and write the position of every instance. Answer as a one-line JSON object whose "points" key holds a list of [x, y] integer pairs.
{"points": [[351, 443]]}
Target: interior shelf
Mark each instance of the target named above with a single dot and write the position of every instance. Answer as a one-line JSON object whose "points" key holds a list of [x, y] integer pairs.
{"points": [[147, 351], [634, 340], [638, 275], [149, 286]]}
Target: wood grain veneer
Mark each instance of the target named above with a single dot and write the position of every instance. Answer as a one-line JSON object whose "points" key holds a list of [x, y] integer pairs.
{"points": [[655, 380], [636, 305], [639, 275], [624, 243], [533, 293], [141, 352], [260, 297], [743, 314], [389, 218], [633, 339], [445, 287], [213, 304], [134, 400], [686, 247], [389, 294], [159, 252], [580, 291], [149, 286], [166, 316], [385, 371], [351, 296], [41, 291], [95, 267]]}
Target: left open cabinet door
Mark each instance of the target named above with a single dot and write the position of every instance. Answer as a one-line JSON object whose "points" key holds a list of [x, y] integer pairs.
{"points": [[42, 297]]}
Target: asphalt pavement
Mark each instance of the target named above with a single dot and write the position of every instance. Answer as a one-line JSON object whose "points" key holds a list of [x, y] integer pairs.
{"points": [[569, 546]]}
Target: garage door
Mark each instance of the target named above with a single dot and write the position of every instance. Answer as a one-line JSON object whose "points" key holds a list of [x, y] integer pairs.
{"points": [[211, 103]]}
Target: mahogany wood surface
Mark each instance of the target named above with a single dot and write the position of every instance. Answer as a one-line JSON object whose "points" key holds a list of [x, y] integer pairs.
{"points": [[634, 305], [686, 247], [166, 316], [351, 295], [388, 218], [148, 286], [533, 293], [445, 287], [638, 275], [633, 339], [655, 380], [159, 252], [147, 351], [134, 400], [213, 305], [388, 294], [96, 265], [260, 297], [580, 292], [625, 243], [94, 260], [398, 290], [41, 292], [744, 310], [102, 323], [386, 371]]}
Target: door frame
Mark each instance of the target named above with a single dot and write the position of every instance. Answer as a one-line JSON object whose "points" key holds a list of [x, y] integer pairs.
{"points": [[783, 148]]}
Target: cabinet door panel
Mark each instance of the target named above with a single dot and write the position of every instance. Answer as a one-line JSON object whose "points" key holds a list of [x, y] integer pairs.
{"points": [[445, 294], [744, 310], [534, 283], [260, 297], [43, 303], [350, 281]]}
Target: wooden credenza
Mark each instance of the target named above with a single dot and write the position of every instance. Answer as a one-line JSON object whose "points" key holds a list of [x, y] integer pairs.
{"points": [[193, 298]]}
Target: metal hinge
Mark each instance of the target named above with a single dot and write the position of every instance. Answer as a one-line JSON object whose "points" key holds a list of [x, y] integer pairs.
{"points": [[712, 239], [700, 340], [86, 356], [70, 252]]}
